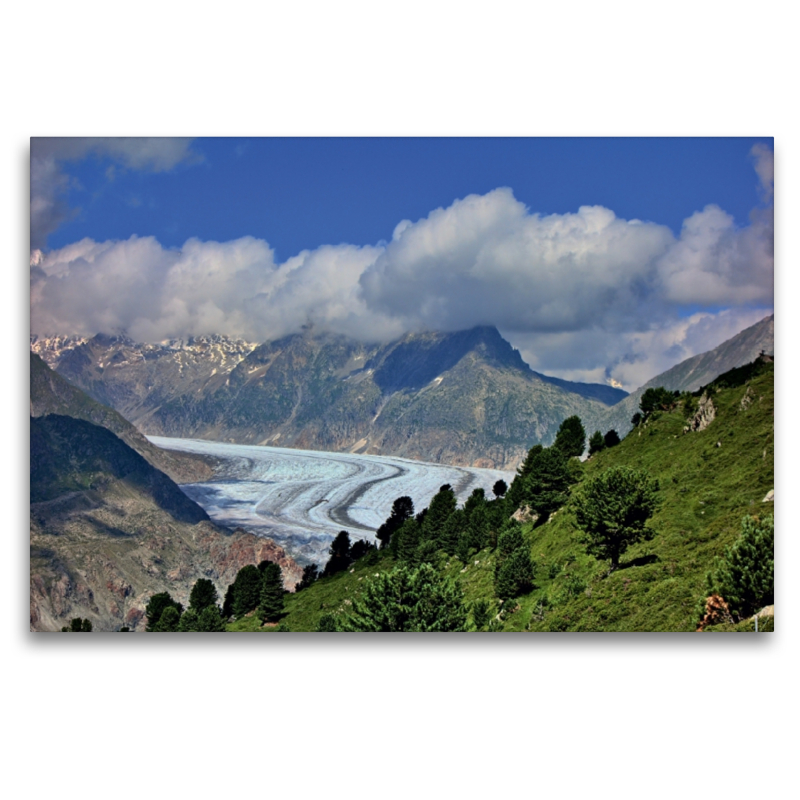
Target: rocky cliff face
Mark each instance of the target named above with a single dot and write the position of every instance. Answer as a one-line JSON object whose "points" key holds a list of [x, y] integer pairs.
{"points": [[463, 398], [107, 530]]}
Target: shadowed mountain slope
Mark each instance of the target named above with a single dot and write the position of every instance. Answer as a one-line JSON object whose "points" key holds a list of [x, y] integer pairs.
{"points": [[465, 397]]}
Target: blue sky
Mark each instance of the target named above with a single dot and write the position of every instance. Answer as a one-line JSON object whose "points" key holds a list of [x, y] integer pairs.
{"points": [[301, 193], [601, 259]]}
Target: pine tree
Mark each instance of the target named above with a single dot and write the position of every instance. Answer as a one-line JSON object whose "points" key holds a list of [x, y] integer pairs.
{"points": [[246, 590], [596, 443], [745, 575], [271, 605], [310, 574], [456, 523], [405, 541], [340, 558], [156, 606], [611, 439], [169, 621], [407, 599], [203, 594], [188, 623], [500, 488], [612, 510], [210, 620], [442, 505], [571, 437], [402, 509], [546, 486], [514, 576]]}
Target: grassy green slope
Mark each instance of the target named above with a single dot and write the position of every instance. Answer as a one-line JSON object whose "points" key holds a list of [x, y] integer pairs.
{"points": [[709, 480], [706, 490]]}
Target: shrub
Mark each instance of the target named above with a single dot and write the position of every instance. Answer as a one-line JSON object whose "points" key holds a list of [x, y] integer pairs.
{"points": [[745, 575]]}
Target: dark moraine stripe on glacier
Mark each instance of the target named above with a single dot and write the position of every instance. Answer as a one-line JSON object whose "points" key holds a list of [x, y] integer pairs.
{"points": [[301, 499]]}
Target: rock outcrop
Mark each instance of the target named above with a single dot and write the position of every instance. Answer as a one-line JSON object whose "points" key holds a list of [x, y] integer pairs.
{"points": [[704, 415]]}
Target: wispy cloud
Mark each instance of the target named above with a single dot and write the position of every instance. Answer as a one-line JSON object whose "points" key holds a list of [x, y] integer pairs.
{"points": [[49, 181]]}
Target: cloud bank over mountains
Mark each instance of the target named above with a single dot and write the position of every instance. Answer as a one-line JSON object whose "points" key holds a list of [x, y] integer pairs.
{"points": [[584, 295]]}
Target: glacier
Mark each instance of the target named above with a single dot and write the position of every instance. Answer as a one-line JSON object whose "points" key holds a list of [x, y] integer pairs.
{"points": [[303, 498]]}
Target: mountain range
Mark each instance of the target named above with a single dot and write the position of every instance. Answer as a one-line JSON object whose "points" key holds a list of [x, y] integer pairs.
{"points": [[463, 398]]}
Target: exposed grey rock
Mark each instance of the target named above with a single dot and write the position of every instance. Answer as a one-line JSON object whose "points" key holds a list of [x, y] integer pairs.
{"points": [[704, 416]]}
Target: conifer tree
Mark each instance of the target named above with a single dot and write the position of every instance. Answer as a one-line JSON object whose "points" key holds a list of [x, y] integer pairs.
{"points": [[612, 510], [571, 437], [514, 571], [596, 443], [246, 590], [407, 599], [210, 620], [514, 575], [442, 505], [156, 606], [456, 523], [405, 541], [169, 620], [270, 606], [745, 575], [203, 594], [402, 509], [339, 552], [546, 486]]}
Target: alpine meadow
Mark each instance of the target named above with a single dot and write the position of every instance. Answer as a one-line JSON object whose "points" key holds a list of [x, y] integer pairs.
{"points": [[402, 385]]}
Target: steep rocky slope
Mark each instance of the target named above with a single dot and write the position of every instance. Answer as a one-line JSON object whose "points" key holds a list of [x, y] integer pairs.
{"points": [[464, 397], [697, 371], [107, 530]]}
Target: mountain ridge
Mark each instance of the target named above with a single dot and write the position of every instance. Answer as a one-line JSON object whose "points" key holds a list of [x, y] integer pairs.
{"points": [[466, 397]]}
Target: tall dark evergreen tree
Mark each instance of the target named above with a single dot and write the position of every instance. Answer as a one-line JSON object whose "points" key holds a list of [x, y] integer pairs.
{"points": [[596, 443], [246, 590], [310, 574], [270, 606], [203, 594], [156, 606], [611, 438], [406, 540], [745, 575], [516, 491], [456, 523], [339, 552], [402, 509], [360, 548], [442, 505], [546, 487], [571, 437], [169, 620], [514, 571]]}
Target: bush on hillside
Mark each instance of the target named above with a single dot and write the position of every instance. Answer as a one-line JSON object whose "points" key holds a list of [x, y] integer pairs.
{"points": [[745, 575], [407, 599]]}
